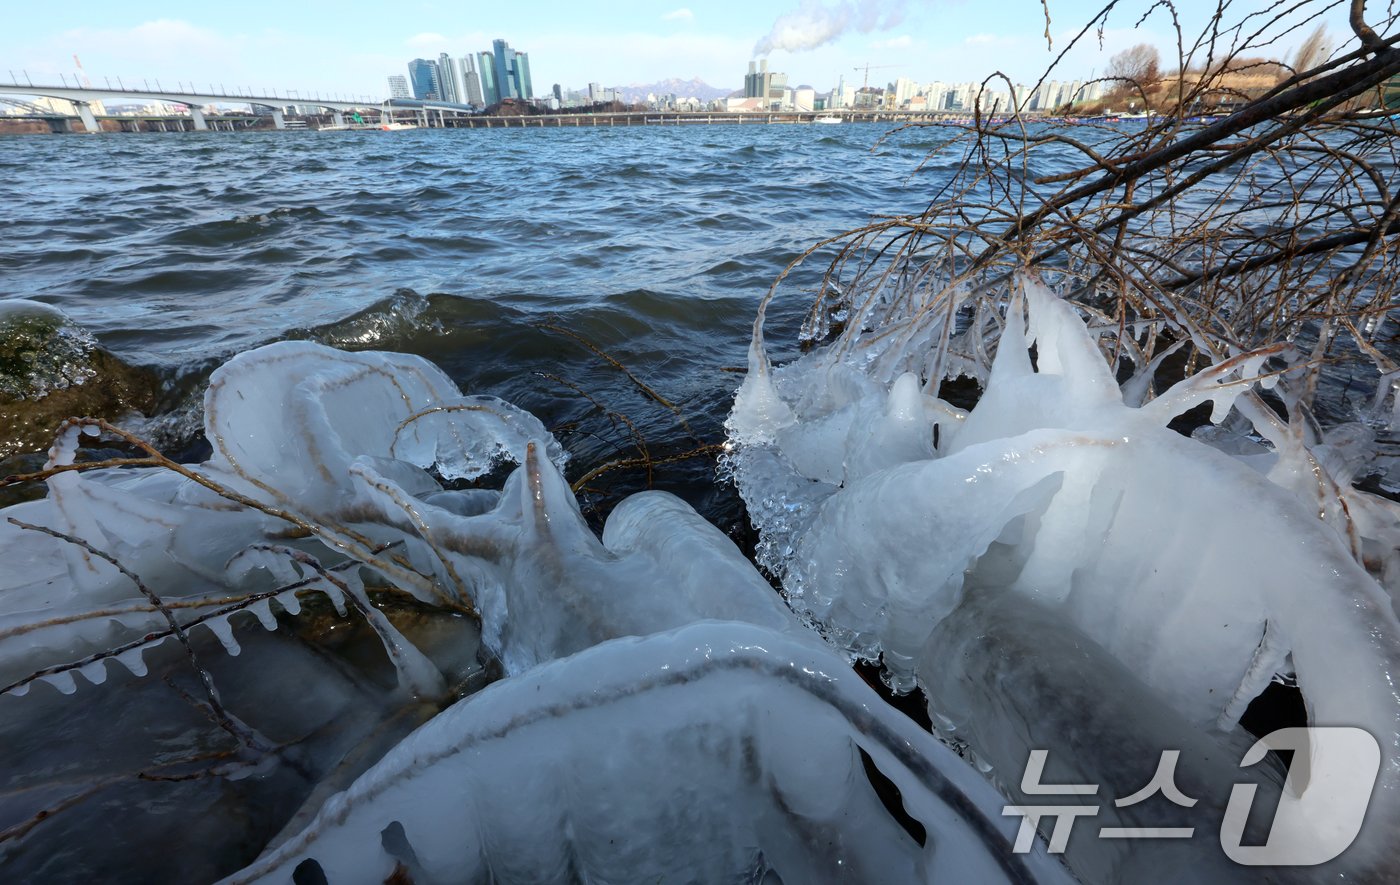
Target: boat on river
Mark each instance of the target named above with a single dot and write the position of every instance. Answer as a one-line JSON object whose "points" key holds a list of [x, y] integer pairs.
{"points": [[381, 127]]}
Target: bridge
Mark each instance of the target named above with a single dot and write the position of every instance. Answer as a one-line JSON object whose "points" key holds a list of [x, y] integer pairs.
{"points": [[429, 113], [83, 98], [692, 118]]}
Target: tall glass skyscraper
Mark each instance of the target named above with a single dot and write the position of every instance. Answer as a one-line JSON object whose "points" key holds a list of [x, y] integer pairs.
{"points": [[423, 77], [512, 72], [449, 79], [522, 65], [471, 81], [505, 69], [490, 85]]}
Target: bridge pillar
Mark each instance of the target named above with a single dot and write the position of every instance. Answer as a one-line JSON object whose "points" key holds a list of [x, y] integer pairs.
{"points": [[279, 119], [89, 121], [339, 118], [197, 116]]}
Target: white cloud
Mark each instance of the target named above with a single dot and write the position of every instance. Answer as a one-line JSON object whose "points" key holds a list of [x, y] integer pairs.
{"points": [[679, 15]]}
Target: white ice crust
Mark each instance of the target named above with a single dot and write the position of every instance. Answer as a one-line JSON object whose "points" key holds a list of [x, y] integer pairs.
{"points": [[1201, 573], [721, 746]]}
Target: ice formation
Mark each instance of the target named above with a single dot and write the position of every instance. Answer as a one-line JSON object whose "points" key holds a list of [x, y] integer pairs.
{"points": [[1061, 515], [718, 752], [337, 446], [598, 756]]}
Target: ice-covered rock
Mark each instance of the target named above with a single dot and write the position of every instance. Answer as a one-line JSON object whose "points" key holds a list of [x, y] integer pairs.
{"points": [[41, 350]]}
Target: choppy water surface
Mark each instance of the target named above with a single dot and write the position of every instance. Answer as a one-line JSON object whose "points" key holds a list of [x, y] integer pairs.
{"points": [[655, 244], [172, 248], [478, 249]]}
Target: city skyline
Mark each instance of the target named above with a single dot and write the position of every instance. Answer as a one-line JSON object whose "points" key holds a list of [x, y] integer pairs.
{"points": [[477, 78], [321, 46]]}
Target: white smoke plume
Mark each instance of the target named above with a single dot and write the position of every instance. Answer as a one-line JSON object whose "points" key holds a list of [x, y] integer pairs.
{"points": [[815, 24]]}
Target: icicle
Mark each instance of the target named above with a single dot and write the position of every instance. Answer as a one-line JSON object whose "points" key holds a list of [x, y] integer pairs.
{"points": [[95, 672], [133, 661], [221, 628], [62, 681], [289, 601], [263, 610], [336, 597]]}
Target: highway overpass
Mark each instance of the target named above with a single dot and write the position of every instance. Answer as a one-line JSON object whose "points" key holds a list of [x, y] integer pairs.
{"points": [[83, 97]]}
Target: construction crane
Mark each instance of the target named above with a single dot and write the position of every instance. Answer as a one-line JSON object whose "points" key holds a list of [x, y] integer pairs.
{"points": [[867, 68]]}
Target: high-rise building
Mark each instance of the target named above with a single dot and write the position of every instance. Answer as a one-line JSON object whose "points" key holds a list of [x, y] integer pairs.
{"points": [[449, 79], [481, 78], [937, 93], [490, 84], [904, 90], [398, 87], [758, 83], [512, 71], [778, 92], [522, 65], [838, 95], [505, 69], [471, 81], [423, 78]]}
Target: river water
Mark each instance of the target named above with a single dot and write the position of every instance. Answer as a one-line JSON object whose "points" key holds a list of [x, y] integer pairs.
{"points": [[481, 250], [653, 244]]}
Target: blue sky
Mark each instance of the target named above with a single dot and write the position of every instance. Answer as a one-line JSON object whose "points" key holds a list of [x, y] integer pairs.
{"points": [[351, 47]]}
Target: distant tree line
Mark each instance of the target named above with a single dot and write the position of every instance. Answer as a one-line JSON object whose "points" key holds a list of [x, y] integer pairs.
{"points": [[1135, 76]]}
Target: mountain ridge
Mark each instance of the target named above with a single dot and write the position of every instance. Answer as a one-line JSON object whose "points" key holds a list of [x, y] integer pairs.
{"points": [[692, 88]]}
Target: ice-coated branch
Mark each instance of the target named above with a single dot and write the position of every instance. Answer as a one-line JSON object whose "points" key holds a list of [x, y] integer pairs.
{"points": [[246, 736]]}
